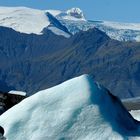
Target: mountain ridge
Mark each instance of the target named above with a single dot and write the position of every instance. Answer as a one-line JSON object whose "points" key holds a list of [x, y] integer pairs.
{"points": [[30, 58], [24, 20]]}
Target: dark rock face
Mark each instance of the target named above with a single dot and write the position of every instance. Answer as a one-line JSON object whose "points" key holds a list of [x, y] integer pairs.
{"points": [[9, 100], [2, 137], [33, 62], [2, 133], [6, 102], [55, 23], [1, 130]]}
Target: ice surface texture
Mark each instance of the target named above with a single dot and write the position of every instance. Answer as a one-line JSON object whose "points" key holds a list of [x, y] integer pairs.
{"points": [[78, 109]]}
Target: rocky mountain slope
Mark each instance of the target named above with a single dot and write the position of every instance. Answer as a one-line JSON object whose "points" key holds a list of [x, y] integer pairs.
{"points": [[34, 62]]}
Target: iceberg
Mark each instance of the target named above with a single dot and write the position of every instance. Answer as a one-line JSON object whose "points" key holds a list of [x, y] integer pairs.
{"points": [[78, 109]]}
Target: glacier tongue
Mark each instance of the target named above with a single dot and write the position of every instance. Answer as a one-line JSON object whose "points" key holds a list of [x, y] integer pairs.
{"points": [[78, 109]]}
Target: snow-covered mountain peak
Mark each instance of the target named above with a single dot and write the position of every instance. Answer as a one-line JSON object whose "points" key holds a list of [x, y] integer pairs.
{"points": [[73, 14], [76, 13], [27, 20], [23, 19]]}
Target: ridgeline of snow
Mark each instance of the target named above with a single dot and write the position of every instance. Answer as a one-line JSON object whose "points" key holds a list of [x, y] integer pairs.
{"points": [[23, 19], [17, 92], [78, 109], [27, 20], [54, 12]]}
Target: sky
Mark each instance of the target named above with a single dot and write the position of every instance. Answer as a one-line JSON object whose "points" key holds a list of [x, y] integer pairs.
{"points": [[111, 10]]}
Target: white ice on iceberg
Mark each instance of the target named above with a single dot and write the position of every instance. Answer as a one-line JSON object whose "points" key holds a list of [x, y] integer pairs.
{"points": [[135, 114], [17, 92], [78, 109]]}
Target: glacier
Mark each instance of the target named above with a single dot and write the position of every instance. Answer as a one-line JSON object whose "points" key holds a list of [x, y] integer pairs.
{"points": [[28, 20], [78, 109]]}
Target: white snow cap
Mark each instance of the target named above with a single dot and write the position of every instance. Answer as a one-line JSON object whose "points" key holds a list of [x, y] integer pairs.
{"points": [[77, 109], [28, 20], [76, 12], [22, 19]]}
